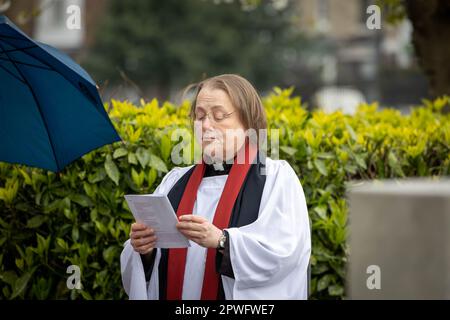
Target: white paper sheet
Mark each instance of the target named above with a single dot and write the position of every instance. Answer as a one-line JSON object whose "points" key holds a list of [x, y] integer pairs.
{"points": [[155, 211]]}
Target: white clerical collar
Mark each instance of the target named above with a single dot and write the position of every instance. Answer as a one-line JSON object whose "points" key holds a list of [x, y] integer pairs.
{"points": [[218, 166]]}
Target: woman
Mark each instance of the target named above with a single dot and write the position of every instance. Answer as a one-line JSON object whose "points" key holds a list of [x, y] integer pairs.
{"points": [[247, 221]]}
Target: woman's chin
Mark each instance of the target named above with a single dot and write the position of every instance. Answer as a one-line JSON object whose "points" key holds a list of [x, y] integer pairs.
{"points": [[211, 156]]}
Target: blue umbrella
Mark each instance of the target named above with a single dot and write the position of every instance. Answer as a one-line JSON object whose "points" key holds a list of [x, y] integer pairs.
{"points": [[50, 109]]}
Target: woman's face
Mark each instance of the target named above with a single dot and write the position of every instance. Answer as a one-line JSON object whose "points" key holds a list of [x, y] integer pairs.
{"points": [[218, 122]]}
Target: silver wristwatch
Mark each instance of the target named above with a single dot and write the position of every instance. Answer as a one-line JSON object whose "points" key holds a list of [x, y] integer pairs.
{"points": [[222, 240]]}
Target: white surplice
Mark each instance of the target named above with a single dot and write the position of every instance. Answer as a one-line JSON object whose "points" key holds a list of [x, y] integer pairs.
{"points": [[269, 257]]}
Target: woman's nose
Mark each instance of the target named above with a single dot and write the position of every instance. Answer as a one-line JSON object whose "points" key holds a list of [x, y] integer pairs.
{"points": [[206, 124]]}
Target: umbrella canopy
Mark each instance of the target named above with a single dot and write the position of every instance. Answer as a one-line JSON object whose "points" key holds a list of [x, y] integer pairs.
{"points": [[50, 109]]}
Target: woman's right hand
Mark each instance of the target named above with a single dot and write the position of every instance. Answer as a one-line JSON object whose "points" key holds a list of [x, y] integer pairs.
{"points": [[142, 238]]}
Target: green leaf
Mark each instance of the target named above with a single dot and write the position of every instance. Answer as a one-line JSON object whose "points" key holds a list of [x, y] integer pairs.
{"points": [[138, 178], [99, 175], [165, 147], [321, 211], [151, 177], [350, 168], [324, 282], [86, 295], [351, 132], [321, 167], [143, 156], [94, 214], [335, 290], [422, 168], [395, 165], [21, 284], [90, 190], [319, 268], [36, 221], [81, 199], [19, 263], [157, 163], [25, 176], [42, 245], [120, 152], [75, 233], [100, 227], [109, 254], [289, 150], [63, 244], [132, 158], [111, 170], [9, 277], [326, 155], [360, 161]]}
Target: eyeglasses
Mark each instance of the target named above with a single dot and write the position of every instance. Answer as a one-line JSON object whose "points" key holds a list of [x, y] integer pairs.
{"points": [[218, 115]]}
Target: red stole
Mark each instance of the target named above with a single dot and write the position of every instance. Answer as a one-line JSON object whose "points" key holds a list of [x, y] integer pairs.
{"points": [[177, 256]]}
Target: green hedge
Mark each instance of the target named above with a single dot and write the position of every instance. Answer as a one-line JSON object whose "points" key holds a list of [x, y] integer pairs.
{"points": [[78, 217]]}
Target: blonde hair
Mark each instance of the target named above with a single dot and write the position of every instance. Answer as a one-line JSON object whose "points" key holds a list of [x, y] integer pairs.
{"points": [[242, 94]]}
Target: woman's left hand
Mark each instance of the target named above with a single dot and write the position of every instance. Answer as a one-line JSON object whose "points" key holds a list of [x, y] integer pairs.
{"points": [[199, 230]]}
